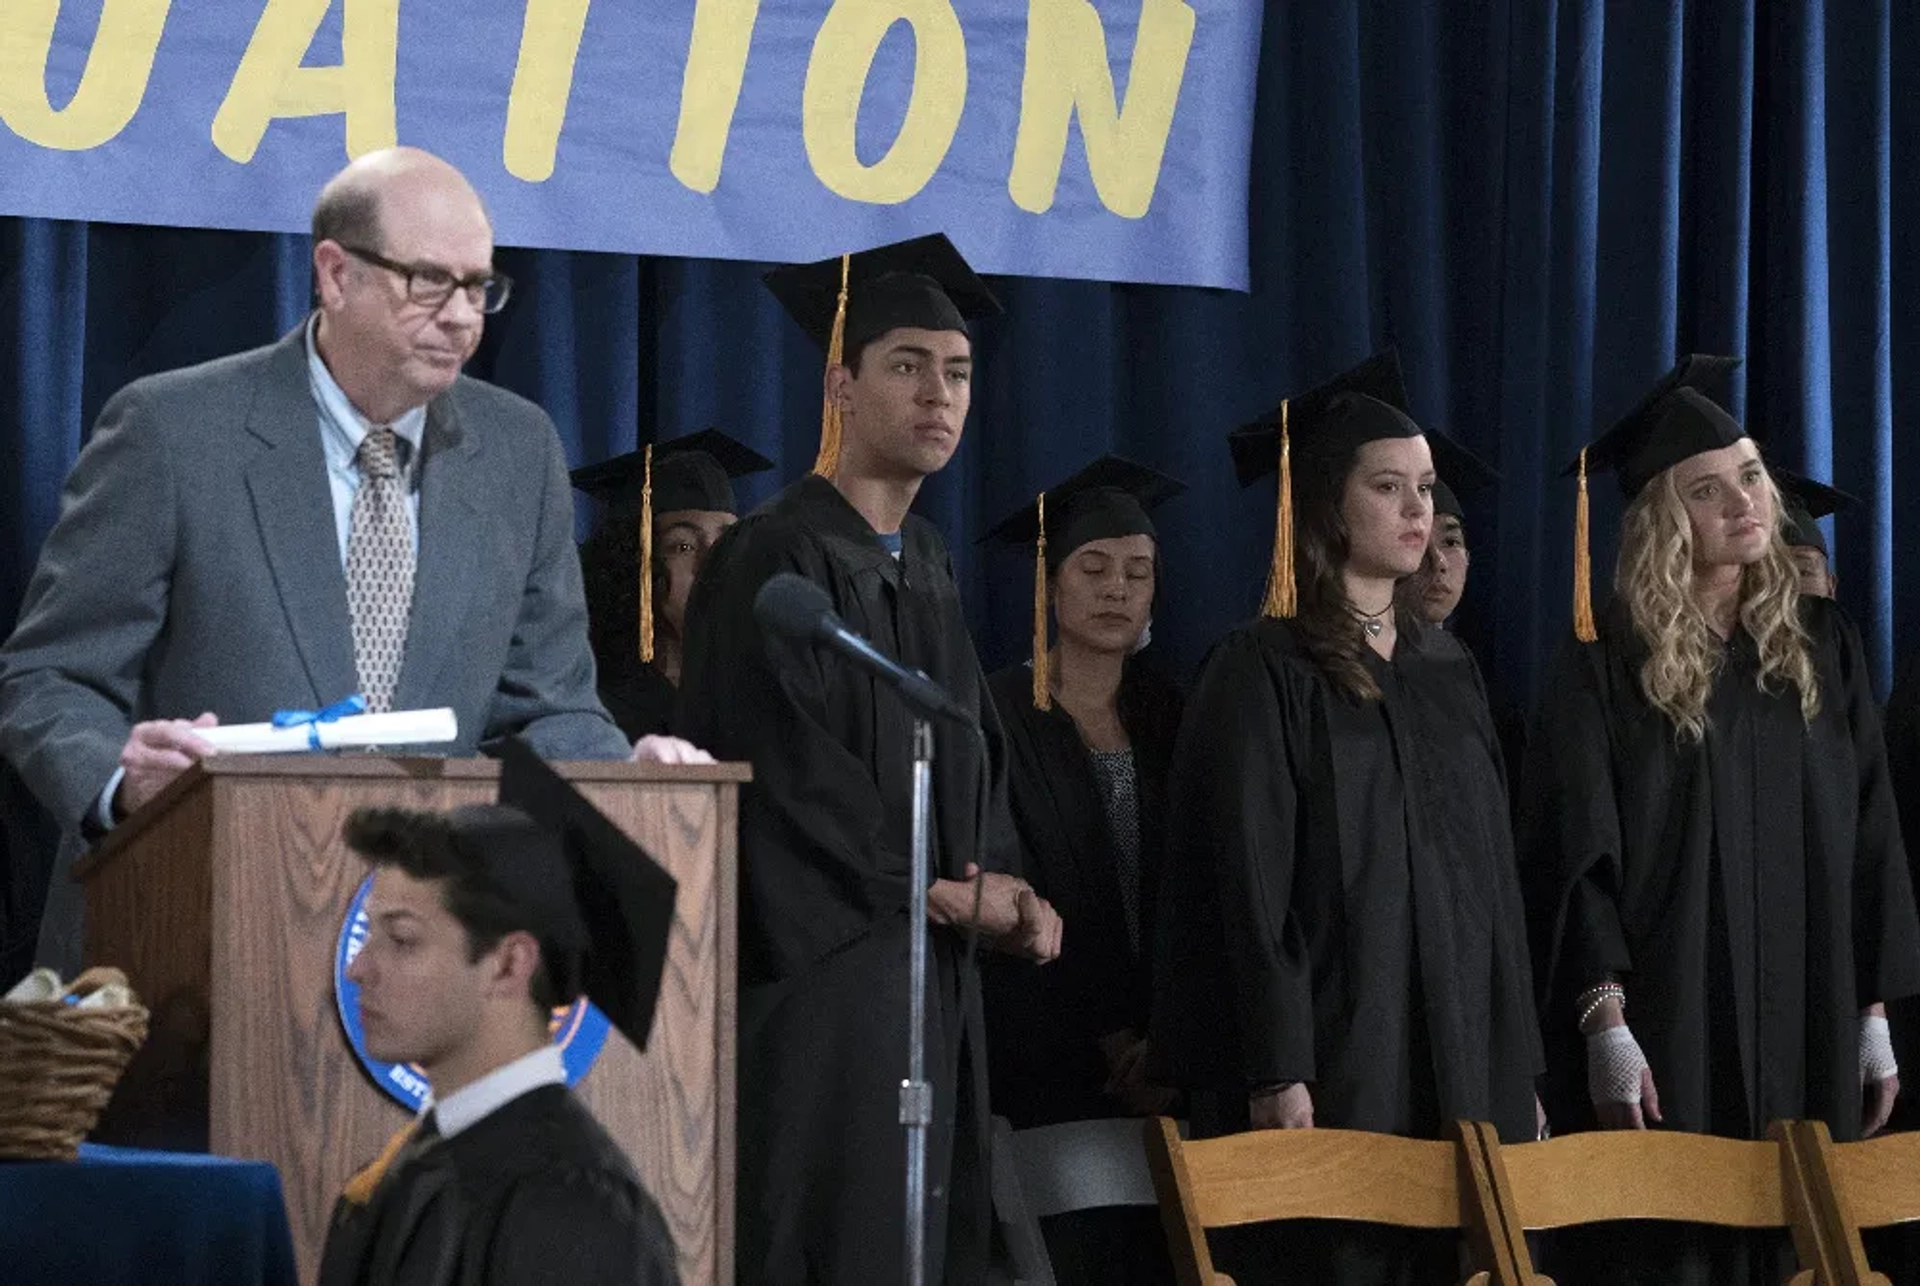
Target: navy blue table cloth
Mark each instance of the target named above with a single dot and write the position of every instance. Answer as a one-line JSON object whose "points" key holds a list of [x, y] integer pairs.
{"points": [[133, 1216]]}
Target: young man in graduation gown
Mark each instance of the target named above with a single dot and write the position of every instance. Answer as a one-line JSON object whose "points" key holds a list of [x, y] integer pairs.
{"points": [[1434, 592], [664, 507], [482, 921], [1090, 725], [1718, 891], [825, 826]]}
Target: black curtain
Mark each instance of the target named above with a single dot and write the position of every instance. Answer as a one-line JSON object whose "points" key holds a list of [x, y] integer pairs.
{"points": [[1541, 203]]}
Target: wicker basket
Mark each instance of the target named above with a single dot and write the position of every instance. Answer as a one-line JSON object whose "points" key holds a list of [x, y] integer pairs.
{"points": [[58, 1066]]}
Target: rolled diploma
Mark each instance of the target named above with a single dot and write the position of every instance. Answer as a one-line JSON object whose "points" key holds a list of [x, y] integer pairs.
{"points": [[395, 728]]}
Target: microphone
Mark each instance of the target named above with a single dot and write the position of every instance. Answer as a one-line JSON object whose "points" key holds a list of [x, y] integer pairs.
{"points": [[796, 608]]}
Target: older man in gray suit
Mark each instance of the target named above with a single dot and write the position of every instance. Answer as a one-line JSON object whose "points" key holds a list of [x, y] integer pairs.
{"points": [[338, 512]]}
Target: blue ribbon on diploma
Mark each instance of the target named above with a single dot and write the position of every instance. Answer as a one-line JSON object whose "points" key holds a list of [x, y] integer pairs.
{"points": [[312, 719]]}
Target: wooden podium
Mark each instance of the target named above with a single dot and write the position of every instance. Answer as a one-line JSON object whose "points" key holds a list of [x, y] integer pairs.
{"points": [[224, 900]]}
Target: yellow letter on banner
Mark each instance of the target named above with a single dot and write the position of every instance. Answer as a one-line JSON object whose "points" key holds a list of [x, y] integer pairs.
{"points": [[271, 83], [111, 86], [710, 89], [1067, 69], [843, 54], [542, 83]]}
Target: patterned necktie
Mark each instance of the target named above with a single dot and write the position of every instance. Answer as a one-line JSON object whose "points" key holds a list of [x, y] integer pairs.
{"points": [[379, 568]]}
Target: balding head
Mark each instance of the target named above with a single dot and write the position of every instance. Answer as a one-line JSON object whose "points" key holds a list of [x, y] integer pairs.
{"points": [[349, 207], [390, 221]]}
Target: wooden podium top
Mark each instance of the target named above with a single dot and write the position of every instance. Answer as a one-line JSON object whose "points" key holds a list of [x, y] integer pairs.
{"points": [[335, 767]]}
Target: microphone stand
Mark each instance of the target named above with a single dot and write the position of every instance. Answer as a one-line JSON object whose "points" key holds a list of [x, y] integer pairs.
{"points": [[916, 1094]]}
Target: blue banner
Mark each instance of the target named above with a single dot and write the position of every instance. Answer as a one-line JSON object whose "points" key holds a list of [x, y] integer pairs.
{"points": [[1104, 139]]}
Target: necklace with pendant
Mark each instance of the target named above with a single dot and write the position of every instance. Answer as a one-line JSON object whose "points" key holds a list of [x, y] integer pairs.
{"points": [[1372, 622]]}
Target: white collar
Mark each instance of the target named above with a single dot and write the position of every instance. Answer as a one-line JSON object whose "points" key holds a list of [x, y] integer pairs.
{"points": [[471, 1103]]}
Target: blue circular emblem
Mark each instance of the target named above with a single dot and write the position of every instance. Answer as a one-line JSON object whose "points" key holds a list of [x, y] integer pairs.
{"points": [[579, 1029]]}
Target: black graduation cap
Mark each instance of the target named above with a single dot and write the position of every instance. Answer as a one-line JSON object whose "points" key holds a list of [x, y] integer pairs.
{"points": [[1334, 417], [846, 302], [1673, 421], [1455, 466], [1808, 502], [691, 472], [1110, 497], [582, 884], [1360, 405]]}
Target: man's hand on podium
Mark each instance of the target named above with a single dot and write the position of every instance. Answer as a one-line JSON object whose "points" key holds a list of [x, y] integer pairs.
{"points": [[156, 752], [668, 750]]}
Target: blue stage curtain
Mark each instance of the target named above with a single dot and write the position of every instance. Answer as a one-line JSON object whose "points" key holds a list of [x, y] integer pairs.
{"points": [[1540, 202]]}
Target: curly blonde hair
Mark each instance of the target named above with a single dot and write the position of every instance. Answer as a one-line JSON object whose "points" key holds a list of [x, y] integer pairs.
{"points": [[1654, 579]]}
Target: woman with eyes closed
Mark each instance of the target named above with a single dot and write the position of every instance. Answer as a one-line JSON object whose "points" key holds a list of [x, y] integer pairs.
{"points": [[1718, 889], [665, 506], [1341, 941], [1089, 728]]}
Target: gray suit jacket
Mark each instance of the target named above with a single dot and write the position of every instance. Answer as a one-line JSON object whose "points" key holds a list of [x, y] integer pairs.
{"points": [[196, 566]]}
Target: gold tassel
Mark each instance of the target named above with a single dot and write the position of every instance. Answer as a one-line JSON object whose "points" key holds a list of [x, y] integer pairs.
{"points": [[1282, 599], [360, 1188], [1042, 661], [646, 561], [827, 463], [1582, 564]]}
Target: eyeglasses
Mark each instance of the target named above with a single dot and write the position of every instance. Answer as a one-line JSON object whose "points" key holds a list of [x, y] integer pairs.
{"points": [[431, 287]]}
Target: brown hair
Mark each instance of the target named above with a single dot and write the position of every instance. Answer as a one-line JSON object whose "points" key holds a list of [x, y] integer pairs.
{"points": [[1327, 627]]}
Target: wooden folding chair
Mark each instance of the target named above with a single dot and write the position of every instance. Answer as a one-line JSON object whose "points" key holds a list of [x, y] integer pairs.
{"points": [[1855, 1186], [1659, 1175], [1271, 1175]]}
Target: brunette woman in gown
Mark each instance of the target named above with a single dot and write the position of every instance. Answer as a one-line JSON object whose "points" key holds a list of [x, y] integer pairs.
{"points": [[1089, 728], [663, 516], [1342, 941]]}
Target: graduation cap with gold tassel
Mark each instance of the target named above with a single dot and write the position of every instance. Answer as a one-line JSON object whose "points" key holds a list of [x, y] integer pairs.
{"points": [[1674, 421], [1111, 497], [690, 473], [846, 302], [1359, 405]]}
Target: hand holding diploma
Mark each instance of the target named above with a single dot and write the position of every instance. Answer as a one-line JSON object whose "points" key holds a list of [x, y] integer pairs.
{"points": [[161, 749]]}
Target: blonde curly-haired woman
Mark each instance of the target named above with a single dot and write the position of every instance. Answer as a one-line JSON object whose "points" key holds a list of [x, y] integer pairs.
{"points": [[1721, 900]]}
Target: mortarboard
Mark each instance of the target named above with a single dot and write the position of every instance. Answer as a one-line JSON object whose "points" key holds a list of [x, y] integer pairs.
{"points": [[1110, 497], [1360, 405], [1673, 421], [846, 302], [1807, 502], [691, 472], [577, 869], [1455, 466]]}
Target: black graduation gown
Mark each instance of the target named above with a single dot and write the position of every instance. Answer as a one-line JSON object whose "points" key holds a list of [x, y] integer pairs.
{"points": [[534, 1191], [1340, 906], [1752, 891], [639, 697], [1044, 1023], [1902, 726], [825, 835]]}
